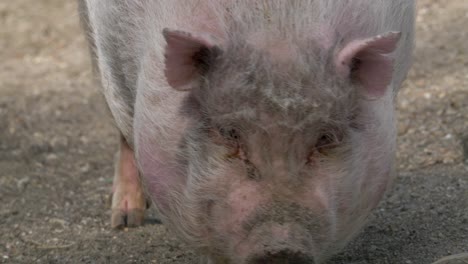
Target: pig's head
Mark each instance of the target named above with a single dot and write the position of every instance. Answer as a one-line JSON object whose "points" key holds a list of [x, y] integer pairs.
{"points": [[289, 146]]}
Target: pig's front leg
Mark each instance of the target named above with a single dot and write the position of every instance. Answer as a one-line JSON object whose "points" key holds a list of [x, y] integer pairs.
{"points": [[128, 199]]}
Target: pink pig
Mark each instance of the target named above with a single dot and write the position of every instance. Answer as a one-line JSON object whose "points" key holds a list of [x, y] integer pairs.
{"points": [[263, 131]]}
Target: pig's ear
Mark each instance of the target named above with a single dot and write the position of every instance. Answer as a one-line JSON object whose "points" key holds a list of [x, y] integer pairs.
{"points": [[368, 62], [187, 57]]}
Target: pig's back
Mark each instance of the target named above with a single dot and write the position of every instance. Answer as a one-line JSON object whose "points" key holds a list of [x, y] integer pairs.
{"points": [[134, 27], [130, 45]]}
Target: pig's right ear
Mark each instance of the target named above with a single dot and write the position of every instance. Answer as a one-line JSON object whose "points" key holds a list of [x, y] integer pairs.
{"points": [[369, 63], [187, 58]]}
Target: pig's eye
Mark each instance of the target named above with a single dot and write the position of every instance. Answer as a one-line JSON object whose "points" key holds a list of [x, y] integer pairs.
{"points": [[229, 134], [323, 147], [326, 141], [224, 135], [229, 138]]}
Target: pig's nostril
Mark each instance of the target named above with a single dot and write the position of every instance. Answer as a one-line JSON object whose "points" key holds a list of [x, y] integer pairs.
{"points": [[282, 257]]}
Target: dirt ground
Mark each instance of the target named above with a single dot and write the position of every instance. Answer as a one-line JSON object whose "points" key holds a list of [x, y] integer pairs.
{"points": [[57, 144]]}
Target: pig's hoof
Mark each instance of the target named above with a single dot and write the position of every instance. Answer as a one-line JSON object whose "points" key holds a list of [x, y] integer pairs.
{"points": [[454, 259], [128, 210], [130, 218]]}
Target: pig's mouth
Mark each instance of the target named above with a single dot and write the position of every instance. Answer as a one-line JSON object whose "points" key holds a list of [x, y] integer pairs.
{"points": [[285, 243], [282, 257]]}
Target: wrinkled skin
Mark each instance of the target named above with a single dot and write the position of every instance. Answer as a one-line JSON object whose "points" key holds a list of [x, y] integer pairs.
{"points": [[263, 133]]}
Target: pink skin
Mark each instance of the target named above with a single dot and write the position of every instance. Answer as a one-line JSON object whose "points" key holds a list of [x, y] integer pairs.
{"points": [[244, 201], [329, 196], [375, 67], [128, 173], [247, 196], [313, 68], [158, 169], [180, 71], [160, 176], [279, 50], [128, 199], [323, 194]]}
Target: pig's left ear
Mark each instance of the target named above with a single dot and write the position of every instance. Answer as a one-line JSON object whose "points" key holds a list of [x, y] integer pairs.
{"points": [[367, 62], [187, 58]]}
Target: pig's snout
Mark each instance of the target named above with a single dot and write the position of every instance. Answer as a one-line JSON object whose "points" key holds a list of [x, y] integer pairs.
{"points": [[281, 244], [284, 256]]}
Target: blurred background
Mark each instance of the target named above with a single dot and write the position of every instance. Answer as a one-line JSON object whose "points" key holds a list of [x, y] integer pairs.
{"points": [[57, 144]]}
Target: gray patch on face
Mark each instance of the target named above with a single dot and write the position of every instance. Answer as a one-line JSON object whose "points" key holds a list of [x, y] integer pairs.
{"points": [[245, 86], [289, 213]]}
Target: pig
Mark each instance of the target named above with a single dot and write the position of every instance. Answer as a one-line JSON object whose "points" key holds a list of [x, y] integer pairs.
{"points": [[262, 131]]}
